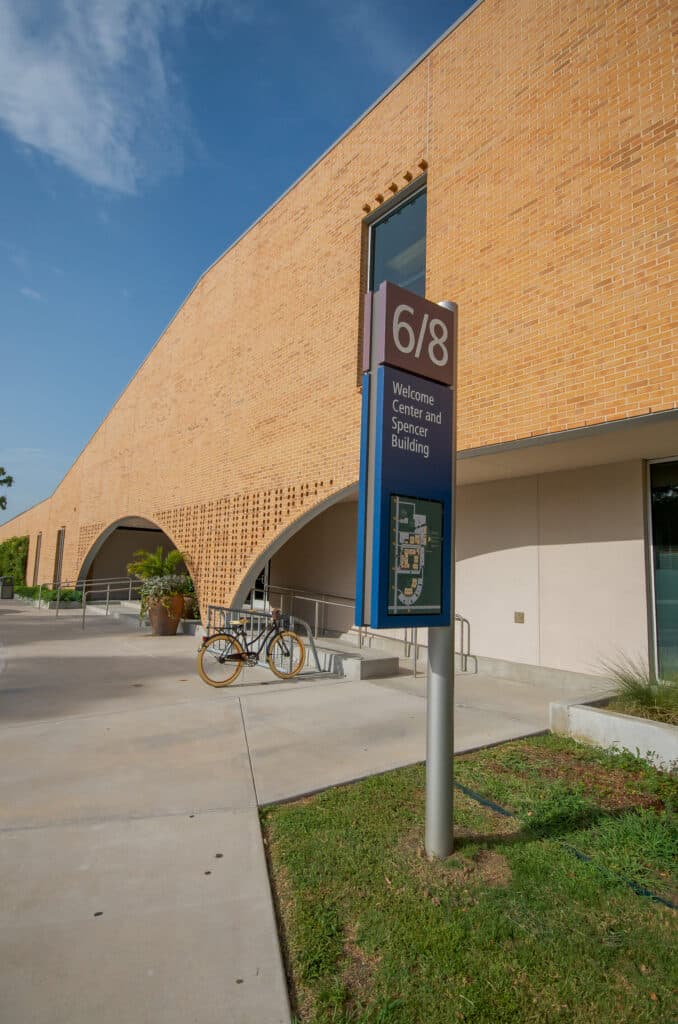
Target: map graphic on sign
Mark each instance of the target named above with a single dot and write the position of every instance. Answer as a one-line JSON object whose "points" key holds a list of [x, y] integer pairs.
{"points": [[415, 556]]}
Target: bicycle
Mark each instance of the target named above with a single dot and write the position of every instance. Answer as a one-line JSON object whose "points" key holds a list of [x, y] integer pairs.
{"points": [[223, 655]]}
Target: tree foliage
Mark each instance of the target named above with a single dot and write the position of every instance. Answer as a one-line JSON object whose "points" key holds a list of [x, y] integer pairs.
{"points": [[5, 481], [13, 555], [149, 564]]}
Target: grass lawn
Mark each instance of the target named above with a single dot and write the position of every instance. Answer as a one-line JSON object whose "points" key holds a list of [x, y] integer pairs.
{"points": [[514, 926]]}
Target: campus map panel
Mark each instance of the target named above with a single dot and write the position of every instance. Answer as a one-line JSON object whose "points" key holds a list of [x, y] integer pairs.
{"points": [[415, 556]]}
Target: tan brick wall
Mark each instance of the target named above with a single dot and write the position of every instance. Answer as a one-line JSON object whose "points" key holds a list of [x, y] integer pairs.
{"points": [[552, 173], [549, 133]]}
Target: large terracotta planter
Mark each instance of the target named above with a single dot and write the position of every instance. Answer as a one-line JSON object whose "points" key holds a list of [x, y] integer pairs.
{"points": [[165, 620]]}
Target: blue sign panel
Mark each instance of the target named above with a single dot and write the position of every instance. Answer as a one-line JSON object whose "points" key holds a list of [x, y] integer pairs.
{"points": [[406, 463], [412, 504]]}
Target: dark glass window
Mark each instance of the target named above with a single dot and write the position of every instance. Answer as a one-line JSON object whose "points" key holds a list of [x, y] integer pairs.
{"points": [[398, 246], [664, 489], [36, 563], [59, 555]]}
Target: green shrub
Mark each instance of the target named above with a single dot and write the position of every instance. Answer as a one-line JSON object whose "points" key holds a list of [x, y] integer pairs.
{"points": [[13, 555], [66, 596]]}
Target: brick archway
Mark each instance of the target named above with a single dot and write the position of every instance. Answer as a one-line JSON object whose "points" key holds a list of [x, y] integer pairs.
{"points": [[248, 580]]}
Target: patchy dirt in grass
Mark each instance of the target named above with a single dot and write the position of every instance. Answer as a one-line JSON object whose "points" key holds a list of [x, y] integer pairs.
{"points": [[359, 970], [613, 789], [469, 866], [486, 867]]}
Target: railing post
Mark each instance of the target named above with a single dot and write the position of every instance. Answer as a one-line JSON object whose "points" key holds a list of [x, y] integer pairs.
{"points": [[58, 598], [40, 597], [108, 596], [130, 589], [316, 620], [84, 603]]}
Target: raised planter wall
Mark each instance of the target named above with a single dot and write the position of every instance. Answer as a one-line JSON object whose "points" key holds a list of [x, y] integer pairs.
{"points": [[656, 742]]}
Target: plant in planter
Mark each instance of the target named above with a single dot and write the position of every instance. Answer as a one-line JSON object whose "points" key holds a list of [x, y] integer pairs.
{"points": [[163, 589], [162, 599]]}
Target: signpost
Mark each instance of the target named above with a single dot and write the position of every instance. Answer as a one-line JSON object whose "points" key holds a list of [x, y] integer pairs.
{"points": [[405, 569]]}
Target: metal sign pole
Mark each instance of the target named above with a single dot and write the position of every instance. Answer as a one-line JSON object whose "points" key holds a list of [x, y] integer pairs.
{"points": [[439, 837], [439, 830]]}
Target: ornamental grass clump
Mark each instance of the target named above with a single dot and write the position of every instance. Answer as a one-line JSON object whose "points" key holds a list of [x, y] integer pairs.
{"points": [[639, 693]]}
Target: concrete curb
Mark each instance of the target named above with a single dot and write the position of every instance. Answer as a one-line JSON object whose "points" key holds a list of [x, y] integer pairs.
{"points": [[655, 742]]}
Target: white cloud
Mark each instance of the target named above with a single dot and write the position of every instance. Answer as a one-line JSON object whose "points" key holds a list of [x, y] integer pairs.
{"points": [[30, 293], [88, 83], [368, 26]]}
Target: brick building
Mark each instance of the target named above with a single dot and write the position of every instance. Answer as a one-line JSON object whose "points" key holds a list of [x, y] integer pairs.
{"points": [[525, 168]]}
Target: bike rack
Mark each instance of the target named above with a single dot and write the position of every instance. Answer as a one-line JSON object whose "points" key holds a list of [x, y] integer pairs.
{"points": [[219, 619]]}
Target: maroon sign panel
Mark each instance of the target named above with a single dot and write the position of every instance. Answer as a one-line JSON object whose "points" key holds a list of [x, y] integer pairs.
{"points": [[410, 333]]}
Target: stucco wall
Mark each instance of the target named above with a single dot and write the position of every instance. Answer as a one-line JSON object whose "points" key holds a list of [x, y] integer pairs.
{"points": [[568, 550], [321, 558], [498, 567], [118, 549], [592, 569]]}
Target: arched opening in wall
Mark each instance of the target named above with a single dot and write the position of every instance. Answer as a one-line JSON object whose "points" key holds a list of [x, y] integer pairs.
{"points": [[310, 569], [112, 551]]}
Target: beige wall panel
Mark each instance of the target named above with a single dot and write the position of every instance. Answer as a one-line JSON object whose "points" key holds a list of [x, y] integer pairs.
{"points": [[111, 561], [321, 558], [497, 567], [592, 577]]}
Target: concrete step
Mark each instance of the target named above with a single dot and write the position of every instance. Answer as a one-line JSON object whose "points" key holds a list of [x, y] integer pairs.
{"points": [[116, 609], [342, 658]]}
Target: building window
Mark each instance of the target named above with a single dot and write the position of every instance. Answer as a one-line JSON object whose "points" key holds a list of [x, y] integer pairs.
{"points": [[398, 246], [664, 508], [59, 555], [36, 560]]}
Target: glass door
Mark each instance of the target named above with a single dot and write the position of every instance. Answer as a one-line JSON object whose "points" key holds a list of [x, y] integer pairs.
{"points": [[664, 506]]}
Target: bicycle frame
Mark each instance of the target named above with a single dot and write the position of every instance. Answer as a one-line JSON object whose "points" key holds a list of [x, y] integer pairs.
{"points": [[240, 633], [266, 633]]}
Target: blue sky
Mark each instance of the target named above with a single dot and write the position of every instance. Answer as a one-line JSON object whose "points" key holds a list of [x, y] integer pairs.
{"points": [[138, 139]]}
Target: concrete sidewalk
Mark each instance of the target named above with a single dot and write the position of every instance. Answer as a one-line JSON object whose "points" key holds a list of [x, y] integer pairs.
{"points": [[132, 875]]}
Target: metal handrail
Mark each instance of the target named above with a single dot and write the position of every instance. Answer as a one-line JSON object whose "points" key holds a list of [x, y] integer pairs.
{"points": [[410, 641], [112, 585], [318, 600], [220, 617]]}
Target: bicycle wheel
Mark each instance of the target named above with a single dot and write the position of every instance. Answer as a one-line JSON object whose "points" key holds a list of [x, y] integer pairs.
{"points": [[286, 654], [220, 659]]}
